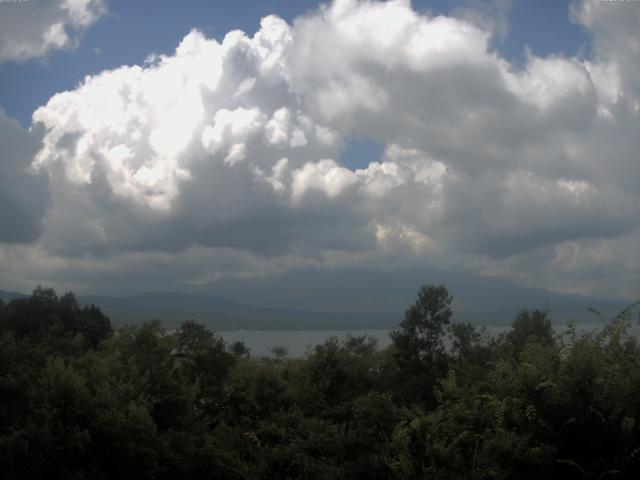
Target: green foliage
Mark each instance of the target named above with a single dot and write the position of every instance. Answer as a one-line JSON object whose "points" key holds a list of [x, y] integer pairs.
{"points": [[530, 327], [418, 344], [60, 321], [79, 401]]}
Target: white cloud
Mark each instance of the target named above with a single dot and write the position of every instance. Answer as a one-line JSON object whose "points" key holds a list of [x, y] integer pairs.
{"points": [[231, 129], [547, 81], [234, 147], [31, 29], [324, 176]]}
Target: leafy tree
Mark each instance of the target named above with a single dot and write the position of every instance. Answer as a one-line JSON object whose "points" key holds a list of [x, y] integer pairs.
{"points": [[60, 322], [530, 326], [205, 361], [239, 349], [419, 350], [79, 402], [280, 352]]}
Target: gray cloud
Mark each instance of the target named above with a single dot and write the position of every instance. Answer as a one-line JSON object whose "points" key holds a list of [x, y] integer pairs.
{"points": [[516, 172], [23, 195]]}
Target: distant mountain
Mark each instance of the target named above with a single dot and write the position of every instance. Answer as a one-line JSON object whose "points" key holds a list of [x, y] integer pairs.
{"points": [[173, 308], [341, 299], [386, 295], [8, 296]]}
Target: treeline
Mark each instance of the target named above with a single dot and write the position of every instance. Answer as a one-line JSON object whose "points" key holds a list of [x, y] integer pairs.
{"points": [[444, 401]]}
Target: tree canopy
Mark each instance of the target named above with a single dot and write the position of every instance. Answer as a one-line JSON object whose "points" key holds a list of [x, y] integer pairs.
{"points": [[444, 400]]}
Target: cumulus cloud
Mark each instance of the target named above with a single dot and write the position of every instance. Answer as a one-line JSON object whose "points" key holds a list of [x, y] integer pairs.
{"points": [[615, 43], [23, 194], [33, 28], [234, 146]]}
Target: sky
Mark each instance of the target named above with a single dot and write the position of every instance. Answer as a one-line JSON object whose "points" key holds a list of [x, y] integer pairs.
{"points": [[172, 145]]}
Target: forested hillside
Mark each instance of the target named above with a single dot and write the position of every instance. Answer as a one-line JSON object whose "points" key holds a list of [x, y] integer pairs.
{"points": [[79, 400]]}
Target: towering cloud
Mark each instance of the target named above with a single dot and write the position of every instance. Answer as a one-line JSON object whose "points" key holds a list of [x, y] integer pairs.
{"points": [[232, 149]]}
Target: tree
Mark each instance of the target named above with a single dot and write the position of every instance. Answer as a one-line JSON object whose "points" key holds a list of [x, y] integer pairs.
{"points": [[531, 326], [239, 349], [205, 361], [419, 350]]}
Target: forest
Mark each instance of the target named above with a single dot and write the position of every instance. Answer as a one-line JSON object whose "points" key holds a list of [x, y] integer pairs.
{"points": [[444, 401]]}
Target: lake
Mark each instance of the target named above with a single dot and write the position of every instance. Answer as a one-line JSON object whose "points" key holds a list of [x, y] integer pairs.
{"points": [[260, 342]]}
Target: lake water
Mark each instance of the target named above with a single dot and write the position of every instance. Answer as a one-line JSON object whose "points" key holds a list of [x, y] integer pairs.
{"points": [[297, 342], [260, 342]]}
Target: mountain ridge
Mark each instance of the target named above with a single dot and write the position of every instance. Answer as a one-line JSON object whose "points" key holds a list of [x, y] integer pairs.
{"points": [[341, 299]]}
